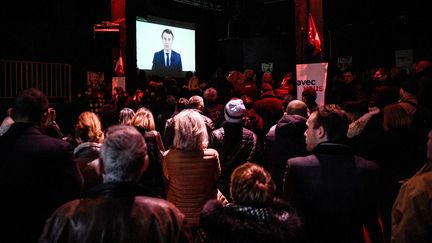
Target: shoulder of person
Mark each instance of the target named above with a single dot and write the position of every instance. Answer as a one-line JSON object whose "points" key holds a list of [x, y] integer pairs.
{"points": [[210, 151]]}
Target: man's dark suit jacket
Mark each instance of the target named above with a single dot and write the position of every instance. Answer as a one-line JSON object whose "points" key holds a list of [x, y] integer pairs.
{"points": [[335, 192], [159, 62], [37, 175]]}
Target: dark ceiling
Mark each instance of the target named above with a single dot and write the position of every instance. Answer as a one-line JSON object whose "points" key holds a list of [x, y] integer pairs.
{"points": [[61, 30]]}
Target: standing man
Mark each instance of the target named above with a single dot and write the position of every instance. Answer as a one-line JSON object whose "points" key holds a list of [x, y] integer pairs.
{"points": [[37, 172], [334, 190], [285, 140], [235, 144], [120, 209], [167, 60]]}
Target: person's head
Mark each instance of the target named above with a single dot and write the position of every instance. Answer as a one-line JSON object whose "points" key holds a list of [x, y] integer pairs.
{"points": [[267, 78], [210, 95], [247, 101], [297, 107], [287, 79], [125, 116], [348, 76], [167, 39], [170, 102], [326, 123], [422, 65], [30, 106], [196, 102], [89, 128], [266, 87], [309, 95], [235, 77], [234, 111], [144, 119], [395, 116], [182, 104], [251, 185], [190, 131], [139, 94], [123, 154], [193, 83], [381, 74], [250, 75]]}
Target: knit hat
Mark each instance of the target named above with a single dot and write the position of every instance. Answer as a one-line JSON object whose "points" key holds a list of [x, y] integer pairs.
{"points": [[234, 111]]}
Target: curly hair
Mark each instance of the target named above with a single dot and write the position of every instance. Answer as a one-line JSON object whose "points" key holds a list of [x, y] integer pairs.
{"points": [[89, 128]]}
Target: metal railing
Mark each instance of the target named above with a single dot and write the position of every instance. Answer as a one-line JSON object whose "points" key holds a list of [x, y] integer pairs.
{"points": [[54, 79]]}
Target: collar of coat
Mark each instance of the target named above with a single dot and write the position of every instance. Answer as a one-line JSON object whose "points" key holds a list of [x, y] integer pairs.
{"points": [[332, 148], [120, 189]]}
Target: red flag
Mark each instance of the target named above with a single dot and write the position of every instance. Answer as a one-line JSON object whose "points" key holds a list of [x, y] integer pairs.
{"points": [[119, 68], [313, 39]]}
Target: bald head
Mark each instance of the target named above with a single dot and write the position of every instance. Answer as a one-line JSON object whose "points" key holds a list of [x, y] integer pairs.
{"points": [[297, 107]]}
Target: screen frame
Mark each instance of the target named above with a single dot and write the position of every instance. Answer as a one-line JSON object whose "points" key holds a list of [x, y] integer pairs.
{"points": [[182, 43]]}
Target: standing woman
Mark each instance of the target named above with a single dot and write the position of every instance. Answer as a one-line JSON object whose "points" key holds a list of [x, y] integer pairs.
{"points": [[152, 178], [191, 168], [89, 137]]}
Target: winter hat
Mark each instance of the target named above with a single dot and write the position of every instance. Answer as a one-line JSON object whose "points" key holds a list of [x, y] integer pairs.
{"points": [[234, 111]]}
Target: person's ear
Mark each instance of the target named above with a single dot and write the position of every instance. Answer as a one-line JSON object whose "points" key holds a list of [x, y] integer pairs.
{"points": [[321, 132]]}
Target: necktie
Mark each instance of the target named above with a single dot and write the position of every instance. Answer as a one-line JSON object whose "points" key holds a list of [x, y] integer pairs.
{"points": [[167, 60]]}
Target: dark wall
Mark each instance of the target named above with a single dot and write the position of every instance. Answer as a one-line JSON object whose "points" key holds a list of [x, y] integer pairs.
{"points": [[242, 35]]}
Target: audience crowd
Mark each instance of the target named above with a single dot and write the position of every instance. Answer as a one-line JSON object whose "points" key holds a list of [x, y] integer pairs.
{"points": [[232, 159]]}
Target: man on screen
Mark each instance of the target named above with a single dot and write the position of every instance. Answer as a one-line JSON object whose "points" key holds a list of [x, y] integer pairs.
{"points": [[167, 60]]}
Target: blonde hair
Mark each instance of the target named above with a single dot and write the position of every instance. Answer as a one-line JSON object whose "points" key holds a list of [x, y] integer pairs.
{"points": [[193, 83], [190, 131], [89, 128], [143, 118]]}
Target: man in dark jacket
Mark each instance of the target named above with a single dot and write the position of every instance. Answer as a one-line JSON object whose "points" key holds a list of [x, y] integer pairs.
{"points": [[119, 210], [285, 140], [37, 172], [235, 144], [334, 190]]}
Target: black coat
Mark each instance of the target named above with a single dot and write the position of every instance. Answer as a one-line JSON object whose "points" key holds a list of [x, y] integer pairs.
{"points": [[37, 175], [285, 140], [236, 145], [335, 192], [233, 224]]}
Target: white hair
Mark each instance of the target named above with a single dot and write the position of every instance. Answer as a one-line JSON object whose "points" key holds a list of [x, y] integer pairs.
{"points": [[123, 154], [190, 131]]}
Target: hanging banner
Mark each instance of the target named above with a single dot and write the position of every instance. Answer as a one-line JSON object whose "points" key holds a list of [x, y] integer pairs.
{"points": [[315, 75]]}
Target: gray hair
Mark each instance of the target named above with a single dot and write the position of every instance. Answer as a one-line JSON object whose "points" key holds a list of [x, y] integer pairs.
{"points": [[123, 154], [190, 131], [126, 115], [196, 102]]}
